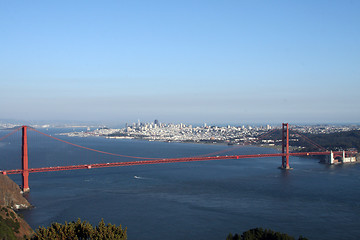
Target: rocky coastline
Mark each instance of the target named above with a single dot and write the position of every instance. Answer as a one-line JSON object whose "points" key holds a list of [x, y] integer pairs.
{"points": [[11, 200]]}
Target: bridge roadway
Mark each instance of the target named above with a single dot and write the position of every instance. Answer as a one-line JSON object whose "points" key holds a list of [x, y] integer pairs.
{"points": [[157, 161]]}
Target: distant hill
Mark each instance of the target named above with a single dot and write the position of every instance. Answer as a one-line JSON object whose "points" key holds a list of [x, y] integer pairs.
{"points": [[333, 141], [330, 141]]}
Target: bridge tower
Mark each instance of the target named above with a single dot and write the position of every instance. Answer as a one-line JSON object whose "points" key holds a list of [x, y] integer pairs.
{"points": [[25, 171], [285, 146]]}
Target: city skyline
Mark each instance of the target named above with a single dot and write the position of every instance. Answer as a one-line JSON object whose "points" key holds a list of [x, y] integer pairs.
{"points": [[191, 62]]}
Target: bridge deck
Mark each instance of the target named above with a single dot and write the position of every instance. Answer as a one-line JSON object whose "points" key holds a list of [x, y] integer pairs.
{"points": [[157, 161]]}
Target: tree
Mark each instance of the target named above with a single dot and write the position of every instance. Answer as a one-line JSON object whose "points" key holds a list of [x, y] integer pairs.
{"points": [[260, 234], [80, 231]]}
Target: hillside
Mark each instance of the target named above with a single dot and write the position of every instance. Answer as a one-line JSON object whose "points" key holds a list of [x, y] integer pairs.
{"points": [[10, 194], [11, 225], [337, 141], [330, 141]]}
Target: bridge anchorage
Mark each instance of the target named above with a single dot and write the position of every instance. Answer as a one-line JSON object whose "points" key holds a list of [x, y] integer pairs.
{"points": [[285, 155]]}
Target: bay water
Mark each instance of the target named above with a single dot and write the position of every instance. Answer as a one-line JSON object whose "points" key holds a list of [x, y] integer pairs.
{"points": [[197, 200]]}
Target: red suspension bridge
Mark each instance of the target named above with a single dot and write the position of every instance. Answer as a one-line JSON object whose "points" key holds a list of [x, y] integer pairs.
{"points": [[285, 155]]}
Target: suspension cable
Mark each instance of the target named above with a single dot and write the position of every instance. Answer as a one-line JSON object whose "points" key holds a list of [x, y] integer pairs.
{"points": [[308, 140], [11, 133], [90, 149], [234, 148], [136, 157]]}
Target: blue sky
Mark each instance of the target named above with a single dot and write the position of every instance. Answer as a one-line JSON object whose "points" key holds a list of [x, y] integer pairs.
{"points": [[180, 61]]}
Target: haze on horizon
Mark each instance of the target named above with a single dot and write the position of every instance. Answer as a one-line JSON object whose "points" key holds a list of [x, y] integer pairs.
{"points": [[180, 61]]}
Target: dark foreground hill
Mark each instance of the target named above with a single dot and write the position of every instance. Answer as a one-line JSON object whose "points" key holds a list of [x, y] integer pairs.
{"points": [[10, 194], [11, 225]]}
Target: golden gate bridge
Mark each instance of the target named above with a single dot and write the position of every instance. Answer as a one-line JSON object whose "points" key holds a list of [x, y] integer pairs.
{"points": [[285, 155]]}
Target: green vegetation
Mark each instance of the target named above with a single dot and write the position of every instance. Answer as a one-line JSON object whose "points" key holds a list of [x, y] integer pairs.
{"points": [[260, 234], [336, 141], [80, 230], [6, 232], [8, 225], [331, 141]]}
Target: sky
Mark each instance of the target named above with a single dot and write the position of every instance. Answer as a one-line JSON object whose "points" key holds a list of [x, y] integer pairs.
{"points": [[180, 61]]}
